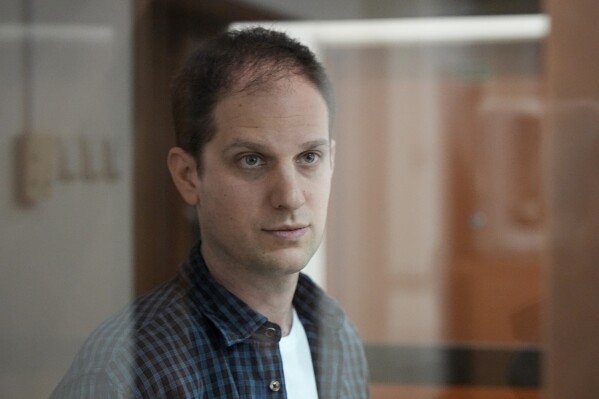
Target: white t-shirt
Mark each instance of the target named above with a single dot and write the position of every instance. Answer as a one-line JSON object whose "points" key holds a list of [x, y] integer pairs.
{"points": [[297, 363]]}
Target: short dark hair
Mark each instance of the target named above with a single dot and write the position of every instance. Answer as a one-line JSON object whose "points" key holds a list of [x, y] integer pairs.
{"points": [[233, 62]]}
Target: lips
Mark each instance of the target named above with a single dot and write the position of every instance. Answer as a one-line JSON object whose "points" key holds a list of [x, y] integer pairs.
{"points": [[288, 232]]}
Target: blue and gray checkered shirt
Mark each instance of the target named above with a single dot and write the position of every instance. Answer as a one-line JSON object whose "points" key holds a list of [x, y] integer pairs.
{"points": [[191, 338]]}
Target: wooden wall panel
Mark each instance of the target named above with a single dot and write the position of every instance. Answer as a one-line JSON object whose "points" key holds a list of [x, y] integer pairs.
{"points": [[406, 255], [573, 188]]}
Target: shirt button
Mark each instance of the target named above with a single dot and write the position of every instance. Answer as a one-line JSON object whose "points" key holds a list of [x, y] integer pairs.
{"points": [[275, 386], [270, 332]]}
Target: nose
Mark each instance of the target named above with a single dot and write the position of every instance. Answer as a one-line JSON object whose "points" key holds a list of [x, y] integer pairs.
{"points": [[286, 191]]}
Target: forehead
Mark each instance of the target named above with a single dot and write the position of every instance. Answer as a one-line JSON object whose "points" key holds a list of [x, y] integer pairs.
{"points": [[289, 108]]}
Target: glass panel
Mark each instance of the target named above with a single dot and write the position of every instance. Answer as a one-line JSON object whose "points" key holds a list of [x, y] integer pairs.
{"points": [[66, 250], [436, 217]]}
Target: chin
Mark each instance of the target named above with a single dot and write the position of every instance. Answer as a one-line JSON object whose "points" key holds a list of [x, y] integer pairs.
{"points": [[289, 261]]}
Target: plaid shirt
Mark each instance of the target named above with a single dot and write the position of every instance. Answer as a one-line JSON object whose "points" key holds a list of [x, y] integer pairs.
{"points": [[191, 338]]}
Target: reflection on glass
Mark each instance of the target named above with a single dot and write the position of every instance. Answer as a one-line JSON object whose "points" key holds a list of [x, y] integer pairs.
{"points": [[437, 219]]}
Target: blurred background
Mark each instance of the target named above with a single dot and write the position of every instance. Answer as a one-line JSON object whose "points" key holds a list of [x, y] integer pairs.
{"points": [[463, 231]]}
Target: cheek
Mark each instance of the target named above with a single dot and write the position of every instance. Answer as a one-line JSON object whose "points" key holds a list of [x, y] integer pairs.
{"points": [[231, 201], [319, 196]]}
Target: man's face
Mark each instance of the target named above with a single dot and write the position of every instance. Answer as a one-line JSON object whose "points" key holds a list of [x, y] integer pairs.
{"points": [[265, 182]]}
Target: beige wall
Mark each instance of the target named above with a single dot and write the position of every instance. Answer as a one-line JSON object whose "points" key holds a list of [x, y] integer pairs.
{"points": [[66, 261]]}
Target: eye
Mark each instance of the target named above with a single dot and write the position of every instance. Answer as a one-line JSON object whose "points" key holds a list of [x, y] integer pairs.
{"points": [[309, 158], [251, 161]]}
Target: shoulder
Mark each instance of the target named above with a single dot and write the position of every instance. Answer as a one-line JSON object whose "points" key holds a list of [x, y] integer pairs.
{"points": [[334, 339], [163, 315], [316, 308], [149, 337], [314, 305]]}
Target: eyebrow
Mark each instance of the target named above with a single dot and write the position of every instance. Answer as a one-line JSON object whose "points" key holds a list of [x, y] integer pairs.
{"points": [[258, 147], [316, 143]]}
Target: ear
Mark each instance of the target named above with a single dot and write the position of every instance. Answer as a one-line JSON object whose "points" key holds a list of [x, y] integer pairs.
{"points": [[183, 168]]}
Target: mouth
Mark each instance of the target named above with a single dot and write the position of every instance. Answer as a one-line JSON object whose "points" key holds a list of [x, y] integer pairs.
{"points": [[288, 232]]}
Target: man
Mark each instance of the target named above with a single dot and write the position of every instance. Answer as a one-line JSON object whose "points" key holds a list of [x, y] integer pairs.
{"points": [[254, 157]]}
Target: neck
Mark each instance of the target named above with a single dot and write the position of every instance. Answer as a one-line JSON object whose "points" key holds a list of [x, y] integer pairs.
{"points": [[268, 295]]}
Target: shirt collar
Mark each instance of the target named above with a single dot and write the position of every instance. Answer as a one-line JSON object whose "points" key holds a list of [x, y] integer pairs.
{"points": [[236, 320]]}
